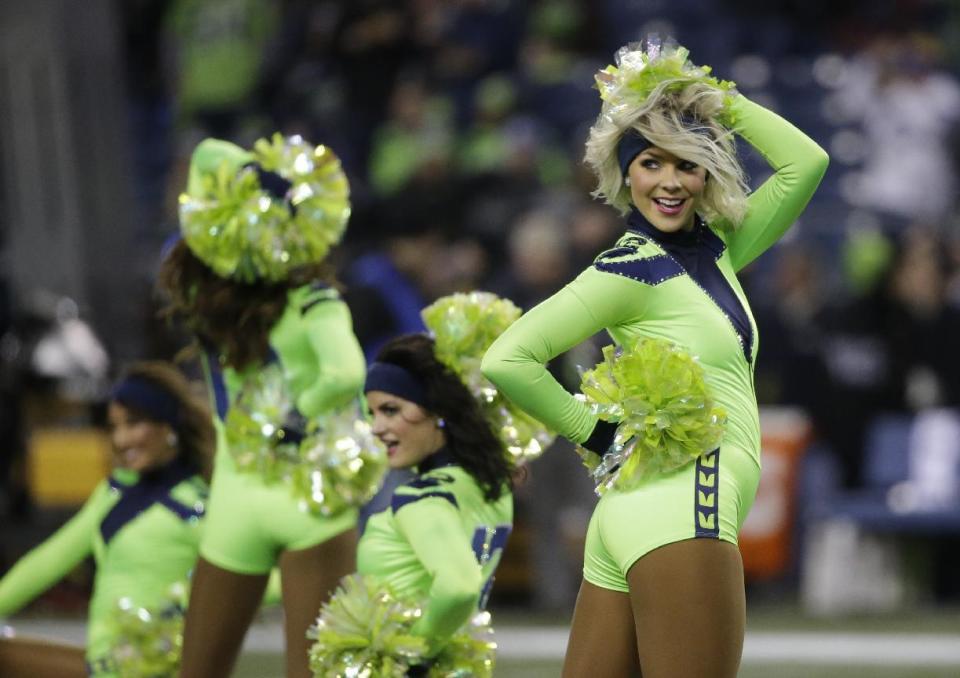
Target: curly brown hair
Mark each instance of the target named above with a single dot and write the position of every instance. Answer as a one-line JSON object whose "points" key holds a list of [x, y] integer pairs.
{"points": [[469, 436], [195, 434], [232, 317]]}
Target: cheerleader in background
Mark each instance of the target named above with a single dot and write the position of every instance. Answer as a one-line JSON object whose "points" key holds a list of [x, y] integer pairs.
{"points": [[142, 526], [249, 280]]}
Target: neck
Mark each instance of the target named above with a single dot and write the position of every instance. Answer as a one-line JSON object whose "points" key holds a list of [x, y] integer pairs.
{"points": [[440, 458], [637, 222]]}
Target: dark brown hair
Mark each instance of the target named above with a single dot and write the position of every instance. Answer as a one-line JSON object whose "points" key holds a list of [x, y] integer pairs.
{"points": [[195, 434], [470, 437], [231, 317]]}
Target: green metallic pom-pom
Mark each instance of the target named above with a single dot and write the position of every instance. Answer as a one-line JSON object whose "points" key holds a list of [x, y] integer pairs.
{"points": [[667, 418], [640, 71], [244, 232], [463, 327], [364, 630], [148, 643], [471, 652], [338, 463], [341, 463], [367, 630]]}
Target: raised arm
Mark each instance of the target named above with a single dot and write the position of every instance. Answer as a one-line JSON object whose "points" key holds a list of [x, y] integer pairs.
{"points": [[341, 366], [798, 163], [52, 560], [516, 362]]}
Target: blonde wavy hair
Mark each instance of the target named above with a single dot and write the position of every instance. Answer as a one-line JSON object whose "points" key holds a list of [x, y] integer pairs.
{"points": [[663, 118]]}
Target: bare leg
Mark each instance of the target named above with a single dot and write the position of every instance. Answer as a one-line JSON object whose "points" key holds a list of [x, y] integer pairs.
{"points": [[222, 605], [308, 578], [35, 658], [690, 609], [602, 642]]}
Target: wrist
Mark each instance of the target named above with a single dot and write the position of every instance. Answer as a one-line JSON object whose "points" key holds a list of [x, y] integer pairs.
{"points": [[601, 438]]}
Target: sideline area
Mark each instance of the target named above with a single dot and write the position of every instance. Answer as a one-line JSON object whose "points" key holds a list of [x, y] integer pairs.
{"points": [[813, 648]]}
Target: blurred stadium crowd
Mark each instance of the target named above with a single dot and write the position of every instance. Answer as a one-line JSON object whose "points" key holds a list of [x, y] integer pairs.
{"points": [[461, 126]]}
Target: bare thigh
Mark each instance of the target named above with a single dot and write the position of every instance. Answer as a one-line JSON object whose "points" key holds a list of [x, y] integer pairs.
{"points": [[602, 642], [34, 658], [308, 577], [689, 609], [222, 605]]}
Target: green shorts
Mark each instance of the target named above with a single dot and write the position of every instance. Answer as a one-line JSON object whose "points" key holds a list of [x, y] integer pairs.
{"points": [[249, 523], [707, 499]]}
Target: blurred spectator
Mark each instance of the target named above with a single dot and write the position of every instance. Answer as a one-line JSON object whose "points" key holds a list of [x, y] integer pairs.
{"points": [[538, 259], [859, 370], [789, 369], [909, 108], [220, 47], [890, 349], [417, 134]]}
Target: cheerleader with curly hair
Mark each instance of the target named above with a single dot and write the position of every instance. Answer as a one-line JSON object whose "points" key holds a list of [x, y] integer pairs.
{"points": [[663, 578], [249, 279], [425, 562]]}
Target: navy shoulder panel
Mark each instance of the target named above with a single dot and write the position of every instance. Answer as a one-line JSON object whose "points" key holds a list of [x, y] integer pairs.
{"points": [[630, 259], [319, 293], [648, 270], [400, 500]]}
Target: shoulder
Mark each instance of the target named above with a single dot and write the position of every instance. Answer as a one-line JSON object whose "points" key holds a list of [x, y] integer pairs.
{"points": [[443, 484], [194, 490], [309, 296], [639, 259]]}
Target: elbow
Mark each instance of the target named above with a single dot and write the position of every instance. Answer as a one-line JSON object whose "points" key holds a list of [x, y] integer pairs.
{"points": [[823, 160], [492, 366], [819, 161], [463, 603], [463, 592]]}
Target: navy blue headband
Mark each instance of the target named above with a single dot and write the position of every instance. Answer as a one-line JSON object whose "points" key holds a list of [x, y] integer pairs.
{"points": [[149, 399], [395, 380], [631, 144]]}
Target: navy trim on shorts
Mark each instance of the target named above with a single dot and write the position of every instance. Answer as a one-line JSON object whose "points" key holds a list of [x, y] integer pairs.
{"points": [[706, 514]]}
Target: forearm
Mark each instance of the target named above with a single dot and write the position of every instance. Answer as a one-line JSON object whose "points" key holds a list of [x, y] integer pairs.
{"points": [[49, 562], [36, 572], [453, 598], [432, 527], [516, 362], [339, 357]]}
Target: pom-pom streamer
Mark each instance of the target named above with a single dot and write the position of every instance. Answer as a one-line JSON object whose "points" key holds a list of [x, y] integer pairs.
{"points": [[667, 418], [148, 643], [367, 630], [334, 463], [640, 71], [463, 327], [244, 231]]}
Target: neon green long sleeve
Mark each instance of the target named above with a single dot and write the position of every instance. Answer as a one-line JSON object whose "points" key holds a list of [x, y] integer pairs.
{"points": [[638, 290], [51, 561], [439, 539]]}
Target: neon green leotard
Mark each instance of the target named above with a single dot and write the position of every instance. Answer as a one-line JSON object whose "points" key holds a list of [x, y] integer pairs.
{"points": [[441, 539], [681, 287], [249, 523], [143, 534]]}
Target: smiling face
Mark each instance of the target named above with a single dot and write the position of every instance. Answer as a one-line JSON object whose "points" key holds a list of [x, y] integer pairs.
{"points": [[140, 444], [409, 432], [666, 189]]}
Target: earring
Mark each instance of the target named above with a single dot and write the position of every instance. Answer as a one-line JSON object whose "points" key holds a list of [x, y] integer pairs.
{"points": [[172, 439], [626, 182], [441, 423]]}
